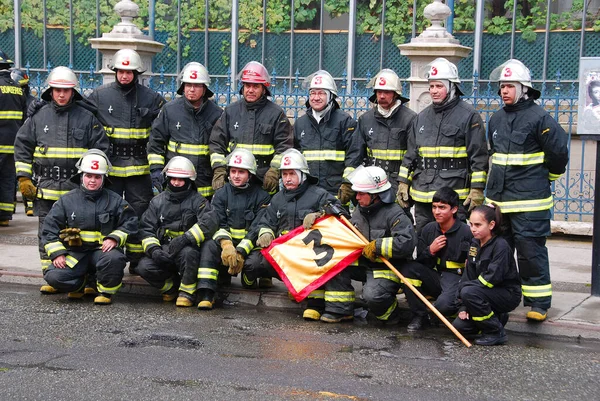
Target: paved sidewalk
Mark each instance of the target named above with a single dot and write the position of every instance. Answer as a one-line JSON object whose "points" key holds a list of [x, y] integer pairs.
{"points": [[575, 313]]}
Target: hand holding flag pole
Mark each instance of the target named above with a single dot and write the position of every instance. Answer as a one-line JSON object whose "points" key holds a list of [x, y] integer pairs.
{"points": [[333, 209]]}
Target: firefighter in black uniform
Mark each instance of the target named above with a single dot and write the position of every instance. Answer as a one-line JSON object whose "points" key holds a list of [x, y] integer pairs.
{"points": [[13, 107], [172, 229], [254, 123], [301, 202], [85, 231], [183, 128], [235, 207], [446, 148], [49, 144], [490, 286], [384, 129], [326, 137], [127, 110], [529, 151]]}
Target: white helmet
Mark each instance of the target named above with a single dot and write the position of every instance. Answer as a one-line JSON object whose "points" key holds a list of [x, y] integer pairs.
{"points": [[61, 77], [242, 158], [515, 71], [94, 161], [194, 73], [127, 59], [386, 80], [321, 80], [292, 159], [180, 167], [371, 179], [440, 68]]}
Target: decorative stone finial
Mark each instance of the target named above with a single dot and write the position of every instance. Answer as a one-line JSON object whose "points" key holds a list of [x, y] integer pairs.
{"points": [[437, 12], [127, 10]]}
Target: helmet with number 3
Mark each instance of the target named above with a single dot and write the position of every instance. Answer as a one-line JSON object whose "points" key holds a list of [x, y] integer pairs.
{"points": [[94, 161], [386, 80], [242, 158], [292, 159], [129, 60], [321, 80], [514, 70], [194, 73]]}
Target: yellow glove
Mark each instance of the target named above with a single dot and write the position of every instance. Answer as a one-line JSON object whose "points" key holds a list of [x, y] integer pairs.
{"points": [[219, 175], [309, 219], [237, 267], [228, 252], [402, 195], [345, 193], [271, 180], [265, 240], [71, 236], [27, 189], [370, 251], [474, 199]]}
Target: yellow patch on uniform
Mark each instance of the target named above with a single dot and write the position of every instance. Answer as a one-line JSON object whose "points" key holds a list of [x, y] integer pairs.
{"points": [[395, 222], [475, 125], [546, 130], [351, 129], [473, 251]]}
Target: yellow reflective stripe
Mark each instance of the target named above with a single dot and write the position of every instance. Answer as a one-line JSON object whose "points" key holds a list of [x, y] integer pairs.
{"points": [[256, 149], [46, 263], [49, 194], [167, 286], [414, 281], [153, 158], [517, 159], [221, 232], [217, 158], [121, 235], [25, 168], [134, 248], [173, 234], [58, 153], [450, 264], [482, 318], [187, 148], [71, 261], [189, 288], [207, 273], [386, 274], [339, 296], [246, 245], [206, 191], [523, 205], [11, 115], [485, 282], [149, 242], [276, 162], [108, 290], [318, 155], [266, 230], [389, 311], [91, 236], [317, 294], [553, 177], [427, 197], [9, 149], [347, 172], [197, 233], [128, 171], [443, 151], [238, 233], [53, 247], [127, 133], [479, 176], [386, 247], [7, 207], [403, 173], [537, 291], [388, 154]]}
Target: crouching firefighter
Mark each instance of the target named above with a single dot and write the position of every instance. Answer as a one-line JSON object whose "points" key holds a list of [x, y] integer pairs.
{"points": [[85, 231], [172, 228]]}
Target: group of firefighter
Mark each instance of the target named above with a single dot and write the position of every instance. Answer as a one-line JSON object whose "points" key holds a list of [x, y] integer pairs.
{"points": [[188, 194]]}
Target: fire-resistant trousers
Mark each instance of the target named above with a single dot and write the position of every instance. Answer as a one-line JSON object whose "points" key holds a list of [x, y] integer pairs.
{"points": [[181, 273]]}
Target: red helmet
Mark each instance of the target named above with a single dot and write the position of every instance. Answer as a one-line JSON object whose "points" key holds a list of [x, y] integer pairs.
{"points": [[255, 73]]}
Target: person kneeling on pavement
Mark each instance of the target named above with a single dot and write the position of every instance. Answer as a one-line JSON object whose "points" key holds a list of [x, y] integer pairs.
{"points": [[235, 207], [172, 228], [392, 236], [490, 286], [85, 231], [300, 203]]}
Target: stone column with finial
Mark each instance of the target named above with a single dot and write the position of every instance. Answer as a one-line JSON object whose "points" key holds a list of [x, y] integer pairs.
{"points": [[434, 42], [125, 35]]}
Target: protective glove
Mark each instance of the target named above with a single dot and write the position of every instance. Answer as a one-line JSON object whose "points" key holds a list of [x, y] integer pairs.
{"points": [[370, 251], [309, 219], [228, 252], [178, 243], [265, 240], [271, 180], [71, 236], [28, 190], [219, 175], [474, 199], [158, 179], [345, 193], [402, 195], [161, 257], [34, 106], [237, 267]]}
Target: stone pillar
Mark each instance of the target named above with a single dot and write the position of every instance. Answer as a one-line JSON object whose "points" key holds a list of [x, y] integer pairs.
{"points": [[126, 35], [434, 42]]}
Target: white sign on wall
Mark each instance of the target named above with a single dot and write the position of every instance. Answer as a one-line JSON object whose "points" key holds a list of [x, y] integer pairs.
{"points": [[589, 96]]}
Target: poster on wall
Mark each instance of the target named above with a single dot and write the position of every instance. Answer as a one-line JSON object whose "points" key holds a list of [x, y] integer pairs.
{"points": [[589, 96]]}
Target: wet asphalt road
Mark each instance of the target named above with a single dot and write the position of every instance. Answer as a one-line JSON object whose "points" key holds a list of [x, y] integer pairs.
{"points": [[52, 348]]}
